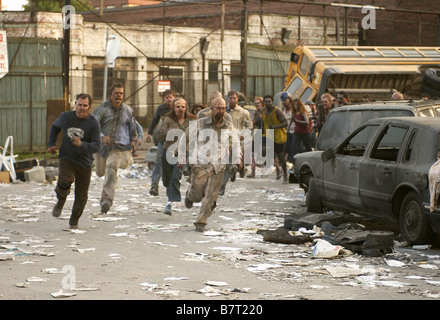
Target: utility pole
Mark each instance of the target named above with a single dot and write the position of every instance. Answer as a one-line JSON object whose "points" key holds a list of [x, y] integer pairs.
{"points": [[244, 33], [104, 90], [221, 40], [66, 61]]}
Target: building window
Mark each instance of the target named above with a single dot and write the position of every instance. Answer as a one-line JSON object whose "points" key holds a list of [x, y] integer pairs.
{"points": [[176, 78], [213, 71]]}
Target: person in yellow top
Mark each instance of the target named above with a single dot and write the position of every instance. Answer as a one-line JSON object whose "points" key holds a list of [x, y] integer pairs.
{"points": [[274, 118]]}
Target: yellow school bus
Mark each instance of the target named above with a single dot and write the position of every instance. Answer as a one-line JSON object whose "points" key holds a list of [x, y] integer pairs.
{"points": [[359, 71]]}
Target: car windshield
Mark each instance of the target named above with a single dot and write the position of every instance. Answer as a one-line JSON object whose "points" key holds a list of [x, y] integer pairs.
{"points": [[339, 125]]}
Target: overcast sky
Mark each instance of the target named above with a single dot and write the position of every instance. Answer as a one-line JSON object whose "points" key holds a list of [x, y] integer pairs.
{"points": [[13, 5]]}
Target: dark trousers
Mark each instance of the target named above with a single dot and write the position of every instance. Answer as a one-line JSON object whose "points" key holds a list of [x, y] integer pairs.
{"points": [[297, 139], [171, 176], [69, 172]]}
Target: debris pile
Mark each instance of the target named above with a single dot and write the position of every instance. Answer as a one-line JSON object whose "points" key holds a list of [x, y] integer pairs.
{"points": [[335, 229]]}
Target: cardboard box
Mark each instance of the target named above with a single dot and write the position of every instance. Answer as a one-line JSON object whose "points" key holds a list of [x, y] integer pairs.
{"points": [[22, 165], [4, 177]]}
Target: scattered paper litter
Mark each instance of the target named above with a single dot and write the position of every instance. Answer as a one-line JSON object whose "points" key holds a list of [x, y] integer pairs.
{"points": [[7, 256], [324, 249], [212, 233], [175, 278], [431, 294], [149, 286], [109, 219], [210, 291], [216, 283], [263, 267], [77, 231], [416, 277], [395, 263], [342, 272], [36, 279], [317, 286], [51, 270], [84, 250], [85, 289], [428, 266], [226, 248], [168, 292], [390, 283], [62, 294], [120, 234]]}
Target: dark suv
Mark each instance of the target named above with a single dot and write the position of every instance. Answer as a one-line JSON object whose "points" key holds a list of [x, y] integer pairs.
{"points": [[343, 120], [380, 170]]}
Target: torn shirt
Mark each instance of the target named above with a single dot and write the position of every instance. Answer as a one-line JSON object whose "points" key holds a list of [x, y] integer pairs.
{"points": [[434, 184]]}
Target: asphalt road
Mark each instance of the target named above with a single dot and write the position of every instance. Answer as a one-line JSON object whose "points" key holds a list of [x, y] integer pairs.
{"points": [[138, 253]]}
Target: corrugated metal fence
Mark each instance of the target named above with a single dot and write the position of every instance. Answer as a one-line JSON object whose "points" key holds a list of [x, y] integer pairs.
{"points": [[266, 70], [34, 82]]}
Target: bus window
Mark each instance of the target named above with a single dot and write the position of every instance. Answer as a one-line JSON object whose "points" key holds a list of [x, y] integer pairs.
{"points": [[411, 52], [430, 53], [346, 52], [304, 64], [370, 52], [306, 94], [296, 83]]}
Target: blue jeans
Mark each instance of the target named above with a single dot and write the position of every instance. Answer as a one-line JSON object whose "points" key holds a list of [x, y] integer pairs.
{"points": [[296, 144], [171, 176], [157, 169]]}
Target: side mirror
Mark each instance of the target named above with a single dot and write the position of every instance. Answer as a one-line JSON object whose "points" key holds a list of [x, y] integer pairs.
{"points": [[327, 155]]}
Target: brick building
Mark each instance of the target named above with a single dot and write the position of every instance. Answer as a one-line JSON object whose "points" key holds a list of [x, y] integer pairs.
{"points": [[397, 22]]}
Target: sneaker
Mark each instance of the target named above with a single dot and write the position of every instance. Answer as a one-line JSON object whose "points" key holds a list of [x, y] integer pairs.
{"points": [[242, 172], [200, 227], [188, 202], [154, 190], [105, 207], [168, 209], [56, 211]]}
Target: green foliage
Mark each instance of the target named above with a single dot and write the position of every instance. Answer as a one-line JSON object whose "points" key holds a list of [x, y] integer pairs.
{"points": [[57, 5], [34, 155]]}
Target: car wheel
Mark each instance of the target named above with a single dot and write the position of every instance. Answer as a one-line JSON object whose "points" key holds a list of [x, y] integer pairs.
{"points": [[413, 221], [313, 200]]}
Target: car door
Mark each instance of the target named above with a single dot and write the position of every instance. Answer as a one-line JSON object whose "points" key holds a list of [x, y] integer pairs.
{"points": [[378, 170], [341, 174]]}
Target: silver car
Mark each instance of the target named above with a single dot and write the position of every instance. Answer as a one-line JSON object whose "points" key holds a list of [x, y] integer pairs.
{"points": [[380, 170]]}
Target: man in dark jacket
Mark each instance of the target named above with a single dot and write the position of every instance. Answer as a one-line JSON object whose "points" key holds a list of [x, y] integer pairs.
{"points": [[161, 111], [81, 138]]}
